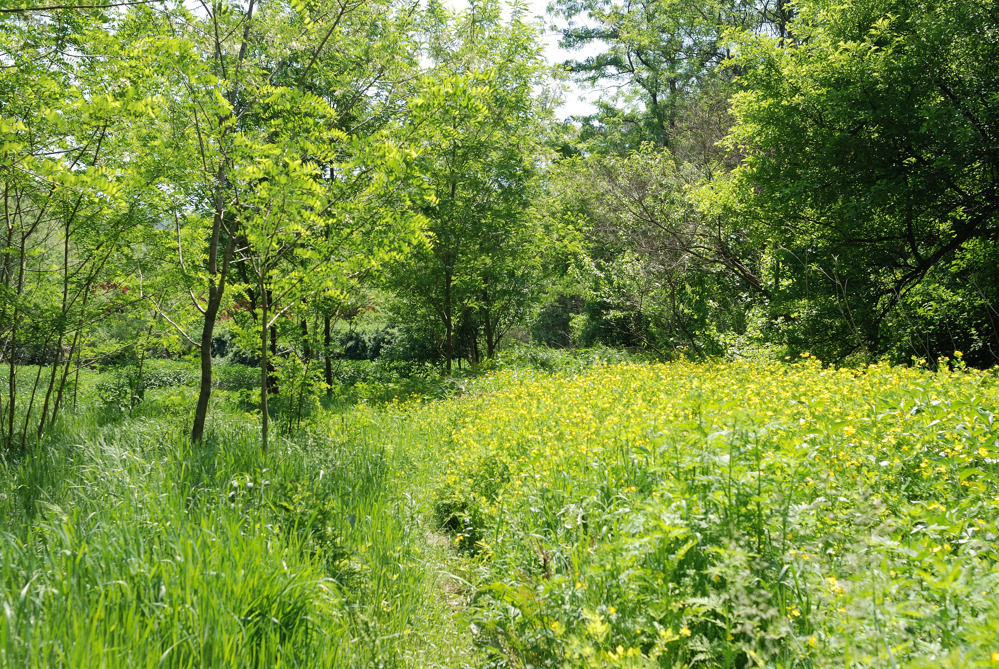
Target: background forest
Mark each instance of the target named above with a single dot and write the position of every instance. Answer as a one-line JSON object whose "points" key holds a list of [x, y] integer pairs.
{"points": [[248, 245], [295, 184]]}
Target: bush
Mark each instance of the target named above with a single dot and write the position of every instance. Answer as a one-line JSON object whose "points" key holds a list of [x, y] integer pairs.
{"points": [[553, 325], [557, 360], [169, 373], [235, 376]]}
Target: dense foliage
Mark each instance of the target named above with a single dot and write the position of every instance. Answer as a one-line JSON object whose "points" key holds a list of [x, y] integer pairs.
{"points": [[729, 515], [767, 177], [257, 255]]}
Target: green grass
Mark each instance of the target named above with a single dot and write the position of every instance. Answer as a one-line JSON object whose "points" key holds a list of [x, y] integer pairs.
{"points": [[126, 546], [580, 514]]}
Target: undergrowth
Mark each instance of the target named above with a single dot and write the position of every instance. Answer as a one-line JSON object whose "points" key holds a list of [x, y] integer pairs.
{"points": [[729, 515], [124, 545], [550, 511]]}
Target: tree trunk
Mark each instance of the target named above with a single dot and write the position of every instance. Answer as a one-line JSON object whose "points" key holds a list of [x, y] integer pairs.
{"points": [[272, 381], [487, 319], [217, 275], [448, 325], [264, 372], [12, 343], [306, 348], [216, 289]]}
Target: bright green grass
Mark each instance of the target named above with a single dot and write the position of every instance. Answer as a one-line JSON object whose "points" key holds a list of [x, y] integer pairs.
{"points": [[703, 515], [125, 546]]}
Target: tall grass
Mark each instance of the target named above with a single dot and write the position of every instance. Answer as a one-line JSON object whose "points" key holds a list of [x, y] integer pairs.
{"points": [[124, 545]]}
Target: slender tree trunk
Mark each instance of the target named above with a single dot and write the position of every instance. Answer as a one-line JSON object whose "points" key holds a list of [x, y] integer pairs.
{"points": [[11, 390], [301, 394], [64, 376], [62, 321], [34, 392], [306, 348], [448, 325], [272, 380], [6, 257], [16, 317], [69, 358], [216, 289], [264, 373], [56, 364], [217, 275], [76, 378], [487, 319]]}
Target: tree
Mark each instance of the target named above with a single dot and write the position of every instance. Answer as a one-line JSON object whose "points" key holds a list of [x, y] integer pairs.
{"points": [[658, 59], [659, 272], [266, 100], [486, 112], [871, 164], [73, 193]]}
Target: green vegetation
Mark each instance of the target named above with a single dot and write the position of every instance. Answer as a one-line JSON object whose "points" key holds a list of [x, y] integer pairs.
{"points": [[729, 515], [582, 514], [125, 545], [329, 338]]}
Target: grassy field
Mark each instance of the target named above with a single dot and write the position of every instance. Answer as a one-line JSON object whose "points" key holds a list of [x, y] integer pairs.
{"points": [[123, 545], [641, 515]]}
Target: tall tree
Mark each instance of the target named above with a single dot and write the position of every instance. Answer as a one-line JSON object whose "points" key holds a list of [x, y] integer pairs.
{"points": [[652, 59], [73, 190], [263, 92], [667, 275], [871, 165], [486, 103]]}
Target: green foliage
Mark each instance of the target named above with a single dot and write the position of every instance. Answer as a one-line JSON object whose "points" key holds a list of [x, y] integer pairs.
{"points": [[233, 376], [485, 107], [120, 391], [655, 64], [154, 552], [657, 272], [727, 514], [870, 171], [553, 324], [253, 171]]}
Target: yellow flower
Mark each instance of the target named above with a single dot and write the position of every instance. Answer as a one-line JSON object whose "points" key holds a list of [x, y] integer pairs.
{"points": [[611, 611], [684, 631]]}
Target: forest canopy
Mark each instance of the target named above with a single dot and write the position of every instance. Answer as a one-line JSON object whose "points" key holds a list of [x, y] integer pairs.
{"points": [[329, 338], [290, 183]]}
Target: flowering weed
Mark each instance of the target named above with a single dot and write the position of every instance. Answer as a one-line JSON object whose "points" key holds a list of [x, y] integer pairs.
{"points": [[729, 514]]}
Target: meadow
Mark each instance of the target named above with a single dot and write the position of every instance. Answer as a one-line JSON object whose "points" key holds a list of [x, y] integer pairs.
{"points": [[547, 513]]}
